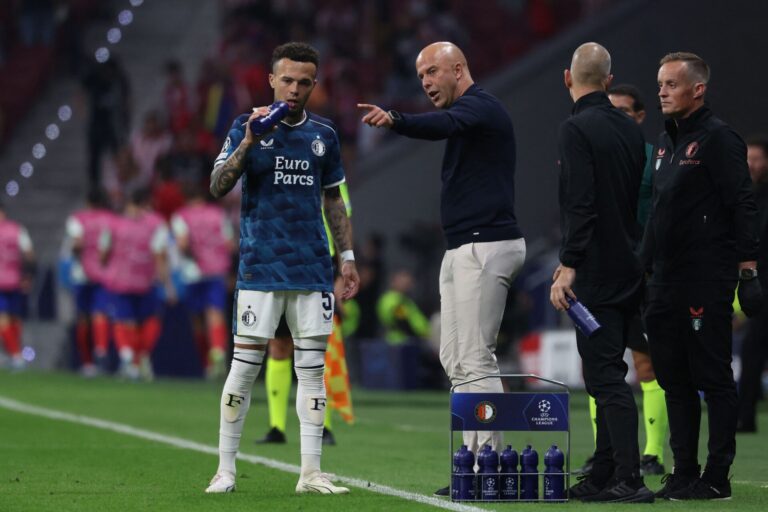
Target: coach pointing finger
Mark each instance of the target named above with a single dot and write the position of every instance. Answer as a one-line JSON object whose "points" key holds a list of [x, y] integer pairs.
{"points": [[485, 246]]}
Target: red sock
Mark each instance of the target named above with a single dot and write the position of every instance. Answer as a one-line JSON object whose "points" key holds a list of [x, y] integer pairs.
{"points": [[201, 343], [81, 338], [12, 340], [218, 335], [150, 332], [16, 326], [125, 336], [100, 334]]}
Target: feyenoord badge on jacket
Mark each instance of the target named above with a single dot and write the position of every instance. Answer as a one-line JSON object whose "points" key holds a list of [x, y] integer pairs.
{"points": [[697, 318]]}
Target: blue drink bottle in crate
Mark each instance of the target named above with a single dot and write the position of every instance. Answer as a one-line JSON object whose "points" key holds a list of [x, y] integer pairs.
{"points": [[498, 478], [509, 474], [529, 474], [463, 480], [488, 460], [554, 477]]}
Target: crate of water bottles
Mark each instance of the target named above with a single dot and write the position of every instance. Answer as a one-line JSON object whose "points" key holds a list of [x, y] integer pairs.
{"points": [[518, 473]]}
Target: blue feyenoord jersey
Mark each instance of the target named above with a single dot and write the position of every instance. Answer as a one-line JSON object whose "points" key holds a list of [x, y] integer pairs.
{"points": [[283, 245]]}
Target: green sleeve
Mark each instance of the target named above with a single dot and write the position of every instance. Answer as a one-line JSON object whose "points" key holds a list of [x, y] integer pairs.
{"points": [[419, 323], [646, 188], [348, 205], [351, 319]]}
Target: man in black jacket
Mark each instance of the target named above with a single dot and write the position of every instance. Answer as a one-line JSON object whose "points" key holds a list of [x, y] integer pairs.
{"points": [[602, 155], [700, 239], [485, 245]]}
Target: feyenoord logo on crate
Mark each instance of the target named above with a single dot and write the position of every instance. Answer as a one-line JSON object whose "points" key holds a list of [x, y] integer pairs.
{"points": [[485, 412]]}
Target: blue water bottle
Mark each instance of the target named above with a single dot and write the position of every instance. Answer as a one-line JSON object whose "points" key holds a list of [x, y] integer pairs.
{"points": [[277, 111], [489, 473], [583, 319], [554, 477], [455, 472], [509, 475], [464, 486], [529, 474]]}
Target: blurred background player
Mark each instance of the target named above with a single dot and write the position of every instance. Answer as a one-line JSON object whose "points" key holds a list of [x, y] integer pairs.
{"points": [[278, 376], [17, 264], [399, 315], [290, 175], [134, 247], [755, 346], [205, 240], [627, 98], [84, 228]]}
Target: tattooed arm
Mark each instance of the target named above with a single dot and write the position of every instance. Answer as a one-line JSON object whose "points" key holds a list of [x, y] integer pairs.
{"points": [[225, 174], [338, 222], [341, 231]]}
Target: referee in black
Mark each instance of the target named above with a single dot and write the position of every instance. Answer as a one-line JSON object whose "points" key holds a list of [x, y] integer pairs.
{"points": [[602, 155], [700, 240]]}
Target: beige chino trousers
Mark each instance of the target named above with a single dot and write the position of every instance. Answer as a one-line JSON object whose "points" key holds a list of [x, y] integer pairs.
{"points": [[474, 281]]}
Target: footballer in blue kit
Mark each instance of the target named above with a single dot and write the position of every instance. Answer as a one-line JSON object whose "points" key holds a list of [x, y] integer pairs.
{"points": [[283, 245], [290, 173]]}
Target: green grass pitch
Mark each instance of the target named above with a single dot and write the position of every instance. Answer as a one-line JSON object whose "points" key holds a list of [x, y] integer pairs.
{"points": [[400, 440]]}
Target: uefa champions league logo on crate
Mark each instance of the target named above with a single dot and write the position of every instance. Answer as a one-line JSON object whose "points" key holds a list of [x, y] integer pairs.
{"points": [[542, 415]]}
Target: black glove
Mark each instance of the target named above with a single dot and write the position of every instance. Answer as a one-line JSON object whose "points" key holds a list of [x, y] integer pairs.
{"points": [[750, 296]]}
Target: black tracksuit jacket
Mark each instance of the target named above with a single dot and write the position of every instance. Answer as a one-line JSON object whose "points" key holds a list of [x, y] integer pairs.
{"points": [[703, 220], [602, 156]]}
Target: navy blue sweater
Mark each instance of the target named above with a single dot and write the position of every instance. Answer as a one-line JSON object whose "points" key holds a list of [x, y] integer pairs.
{"points": [[477, 201]]}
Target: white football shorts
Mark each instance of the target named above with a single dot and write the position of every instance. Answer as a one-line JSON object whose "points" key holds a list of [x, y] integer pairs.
{"points": [[307, 313]]}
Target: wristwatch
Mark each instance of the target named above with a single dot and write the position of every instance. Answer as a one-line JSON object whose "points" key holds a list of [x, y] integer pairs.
{"points": [[394, 115], [746, 274]]}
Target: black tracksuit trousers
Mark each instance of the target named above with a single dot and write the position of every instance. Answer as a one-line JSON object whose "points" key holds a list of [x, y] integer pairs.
{"points": [[689, 331], [616, 447]]}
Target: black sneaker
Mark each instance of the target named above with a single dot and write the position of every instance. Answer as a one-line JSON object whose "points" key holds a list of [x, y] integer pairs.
{"points": [[702, 490], [328, 438], [623, 491], [443, 492], [673, 483], [274, 436], [650, 465], [586, 468], [585, 488]]}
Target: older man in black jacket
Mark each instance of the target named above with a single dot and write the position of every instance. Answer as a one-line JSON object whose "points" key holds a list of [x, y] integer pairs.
{"points": [[602, 155]]}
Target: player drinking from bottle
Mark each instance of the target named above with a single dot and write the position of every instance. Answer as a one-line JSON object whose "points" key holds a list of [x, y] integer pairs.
{"points": [[288, 174]]}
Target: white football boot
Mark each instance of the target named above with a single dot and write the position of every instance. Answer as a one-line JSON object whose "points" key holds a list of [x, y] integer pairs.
{"points": [[319, 483], [223, 481]]}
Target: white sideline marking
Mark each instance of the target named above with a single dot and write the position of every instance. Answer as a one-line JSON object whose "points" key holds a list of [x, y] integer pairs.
{"points": [[178, 442]]}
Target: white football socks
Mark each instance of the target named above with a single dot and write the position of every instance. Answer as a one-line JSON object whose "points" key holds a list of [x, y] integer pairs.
{"points": [[235, 401], [309, 363]]}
